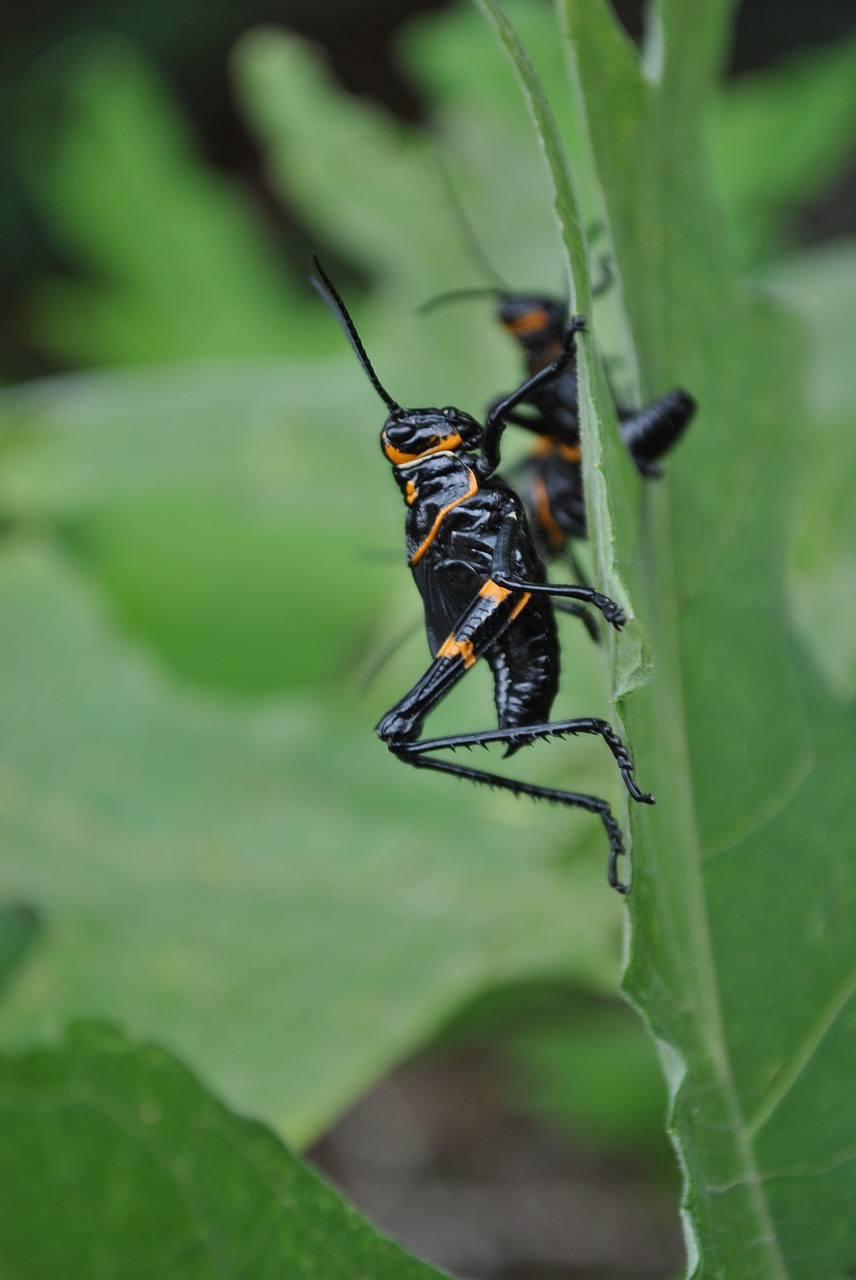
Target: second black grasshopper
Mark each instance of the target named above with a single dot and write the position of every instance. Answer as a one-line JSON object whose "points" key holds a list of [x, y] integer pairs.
{"points": [[549, 479]]}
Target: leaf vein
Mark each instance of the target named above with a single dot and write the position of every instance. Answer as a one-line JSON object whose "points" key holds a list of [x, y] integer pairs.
{"points": [[804, 1053]]}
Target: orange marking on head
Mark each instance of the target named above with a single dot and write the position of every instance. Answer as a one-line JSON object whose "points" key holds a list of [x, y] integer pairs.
{"points": [[423, 547], [546, 519], [399, 459], [452, 648], [521, 604], [493, 591], [530, 322], [410, 493]]}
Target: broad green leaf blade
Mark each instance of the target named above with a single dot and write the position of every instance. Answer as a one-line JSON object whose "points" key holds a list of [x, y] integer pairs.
{"points": [[743, 907], [116, 1162], [258, 890], [175, 263]]}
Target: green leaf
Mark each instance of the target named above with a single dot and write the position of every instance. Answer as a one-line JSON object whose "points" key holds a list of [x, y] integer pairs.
{"points": [[175, 263], [779, 137], [585, 1065], [18, 928], [193, 494], [259, 889], [743, 903], [116, 1162], [822, 283], [372, 189]]}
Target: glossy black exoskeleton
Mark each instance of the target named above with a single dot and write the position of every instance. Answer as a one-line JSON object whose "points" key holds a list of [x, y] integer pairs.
{"points": [[484, 587]]}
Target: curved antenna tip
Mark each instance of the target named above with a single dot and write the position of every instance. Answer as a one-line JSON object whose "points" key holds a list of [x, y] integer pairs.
{"points": [[459, 295], [328, 292]]}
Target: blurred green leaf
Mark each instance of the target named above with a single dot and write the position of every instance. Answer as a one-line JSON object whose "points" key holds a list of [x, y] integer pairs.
{"points": [[256, 890], [580, 1062], [116, 1162], [595, 1073], [373, 189], [778, 138], [370, 183], [823, 560], [18, 927], [203, 500], [821, 283], [743, 887], [176, 262]]}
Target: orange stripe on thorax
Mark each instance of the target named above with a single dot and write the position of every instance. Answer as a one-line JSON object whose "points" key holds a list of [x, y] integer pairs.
{"points": [[444, 511]]}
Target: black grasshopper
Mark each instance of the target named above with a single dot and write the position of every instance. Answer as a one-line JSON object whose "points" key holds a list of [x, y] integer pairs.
{"points": [[549, 479], [484, 587]]}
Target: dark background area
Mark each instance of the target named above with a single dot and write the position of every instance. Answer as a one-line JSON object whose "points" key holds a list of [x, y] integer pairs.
{"points": [[191, 44]]}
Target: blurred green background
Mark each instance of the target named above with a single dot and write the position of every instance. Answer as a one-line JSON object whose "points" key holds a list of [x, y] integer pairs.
{"points": [[201, 571]]}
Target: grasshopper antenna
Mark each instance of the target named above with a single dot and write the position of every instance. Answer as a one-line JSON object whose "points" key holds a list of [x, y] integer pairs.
{"points": [[328, 292], [466, 230], [458, 295]]}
